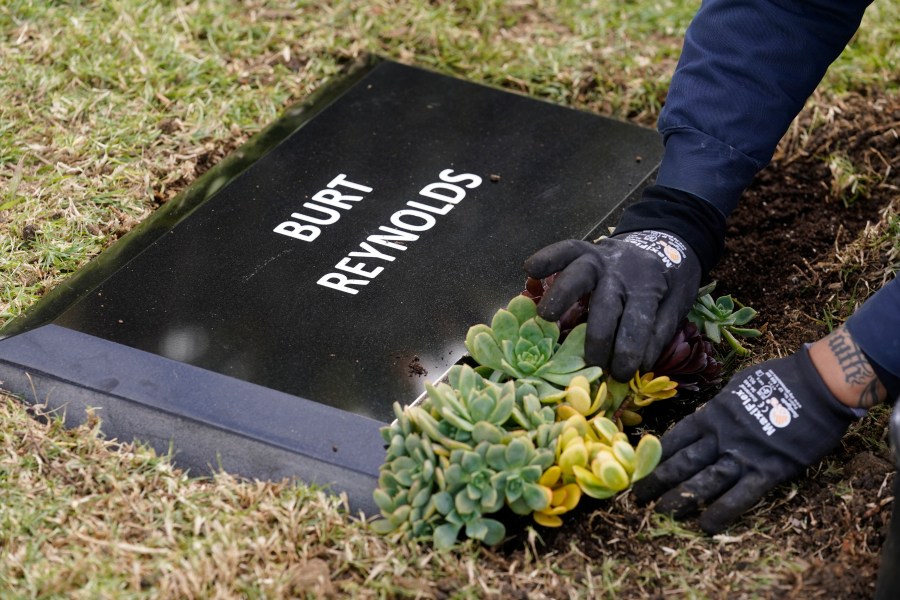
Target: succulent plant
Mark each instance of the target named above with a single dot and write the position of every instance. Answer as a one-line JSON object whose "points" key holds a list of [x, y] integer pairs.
{"points": [[614, 464], [519, 466], [521, 345], [578, 399], [718, 319], [598, 457], [564, 497], [619, 402], [688, 359], [575, 315], [530, 413], [468, 410], [471, 481], [647, 388], [463, 454], [411, 473], [477, 526]]}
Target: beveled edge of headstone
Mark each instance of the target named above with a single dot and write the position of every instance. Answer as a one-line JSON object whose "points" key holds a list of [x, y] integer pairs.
{"points": [[201, 414]]}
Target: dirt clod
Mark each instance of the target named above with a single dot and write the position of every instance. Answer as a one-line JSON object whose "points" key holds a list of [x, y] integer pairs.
{"points": [[416, 368]]}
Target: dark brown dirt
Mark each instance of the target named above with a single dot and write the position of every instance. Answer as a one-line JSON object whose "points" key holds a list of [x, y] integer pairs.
{"points": [[415, 367], [782, 238], [780, 259]]}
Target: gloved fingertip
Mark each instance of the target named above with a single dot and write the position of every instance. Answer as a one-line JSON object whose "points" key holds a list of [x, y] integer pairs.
{"points": [[546, 309], [679, 503], [712, 523], [532, 267], [648, 489], [626, 358], [643, 492], [623, 370]]}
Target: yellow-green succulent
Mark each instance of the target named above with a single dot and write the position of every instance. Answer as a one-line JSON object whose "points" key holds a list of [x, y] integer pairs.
{"points": [[564, 497], [599, 457]]}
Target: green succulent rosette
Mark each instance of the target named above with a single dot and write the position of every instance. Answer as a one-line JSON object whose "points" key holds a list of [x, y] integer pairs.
{"points": [[718, 319], [467, 410], [407, 481], [519, 466], [522, 346]]}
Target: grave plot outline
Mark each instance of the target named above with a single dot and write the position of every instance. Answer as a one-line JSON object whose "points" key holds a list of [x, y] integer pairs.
{"points": [[209, 327]]}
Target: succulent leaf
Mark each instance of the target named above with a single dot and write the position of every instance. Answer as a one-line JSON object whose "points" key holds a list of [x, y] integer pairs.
{"points": [[591, 485], [551, 476], [445, 536], [575, 455], [719, 319], [505, 325], [606, 428], [547, 519], [537, 496], [564, 412], [630, 418], [610, 472], [523, 308], [487, 432], [625, 454], [647, 456]]}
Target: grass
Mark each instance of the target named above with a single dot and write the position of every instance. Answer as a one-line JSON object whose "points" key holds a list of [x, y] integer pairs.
{"points": [[112, 107]]}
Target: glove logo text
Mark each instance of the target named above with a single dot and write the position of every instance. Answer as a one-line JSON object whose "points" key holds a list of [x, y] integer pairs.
{"points": [[666, 247], [768, 400]]}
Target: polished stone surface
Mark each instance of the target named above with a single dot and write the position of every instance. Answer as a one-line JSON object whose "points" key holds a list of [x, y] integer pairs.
{"points": [[267, 271]]}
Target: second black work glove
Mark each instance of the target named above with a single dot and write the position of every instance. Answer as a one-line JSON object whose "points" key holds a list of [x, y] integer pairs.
{"points": [[641, 283], [766, 426]]}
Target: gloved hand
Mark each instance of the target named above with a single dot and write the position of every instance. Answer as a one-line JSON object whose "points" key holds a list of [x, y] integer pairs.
{"points": [[641, 283], [766, 426]]}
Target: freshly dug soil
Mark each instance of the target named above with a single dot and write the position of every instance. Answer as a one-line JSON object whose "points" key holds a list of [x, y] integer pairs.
{"points": [[782, 238], [823, 533]]}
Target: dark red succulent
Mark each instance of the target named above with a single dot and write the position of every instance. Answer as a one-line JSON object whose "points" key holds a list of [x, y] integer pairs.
{"points": [[688, 359], [575, 315]]}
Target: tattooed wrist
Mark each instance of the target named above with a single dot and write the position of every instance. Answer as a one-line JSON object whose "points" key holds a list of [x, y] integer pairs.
{"points": [[854, 365], [846, 370]]}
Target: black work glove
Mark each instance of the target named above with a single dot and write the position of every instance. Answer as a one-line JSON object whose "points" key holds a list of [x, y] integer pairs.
{"points": [[766, 426], [641, 283]]}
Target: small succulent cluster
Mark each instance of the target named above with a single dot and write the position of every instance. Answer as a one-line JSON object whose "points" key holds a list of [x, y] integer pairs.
{"points": [[488, 437], [531, 427], [472, 447], [689, 360], [615, 401], [598, 457], [719, 320]]}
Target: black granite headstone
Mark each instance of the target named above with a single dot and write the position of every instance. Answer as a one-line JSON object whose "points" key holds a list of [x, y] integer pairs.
{"points": [[266, 320]]}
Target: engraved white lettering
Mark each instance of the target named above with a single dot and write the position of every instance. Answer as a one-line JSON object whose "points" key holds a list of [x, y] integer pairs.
{"points": [[418, 217]]}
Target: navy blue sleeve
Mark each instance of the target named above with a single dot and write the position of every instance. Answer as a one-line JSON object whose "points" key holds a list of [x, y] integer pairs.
{"points": [[875, 328], [746, 69]]}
